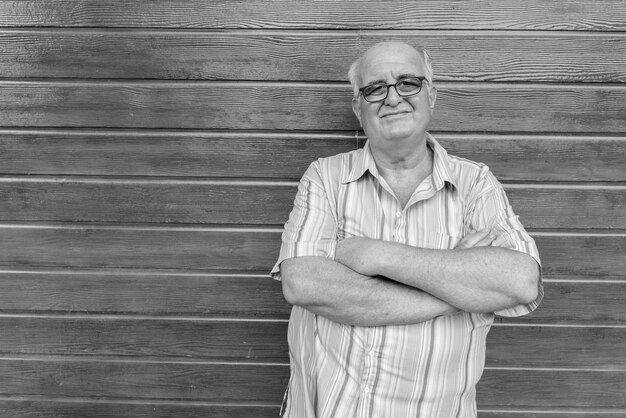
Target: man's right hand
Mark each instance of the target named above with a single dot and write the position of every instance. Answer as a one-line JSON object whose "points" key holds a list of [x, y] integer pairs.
{"points": [[482, 238]]}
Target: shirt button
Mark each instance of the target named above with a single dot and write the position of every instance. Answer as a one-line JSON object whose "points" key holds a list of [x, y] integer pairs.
{"points": [[398, 214]]}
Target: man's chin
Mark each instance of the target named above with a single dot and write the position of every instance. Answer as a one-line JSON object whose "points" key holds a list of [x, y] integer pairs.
{"points": [[398, 125], [399, 133]]}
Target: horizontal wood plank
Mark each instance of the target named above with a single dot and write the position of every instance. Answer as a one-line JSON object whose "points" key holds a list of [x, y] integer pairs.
{"points": [[35, 407], [156, 339], [583, 255], [171, 153], [247, 296], [252, 296], [556, 206], [578, 302], [286, 106], [208, 382], [93, 246], [553, 413], [543, 158], [140, 201], [163, 248], [206, 295], [568, 347], [262, 203], [153, 202], [605, 15], [298, 56], [534, 389], [259, 341], [287, 155]]}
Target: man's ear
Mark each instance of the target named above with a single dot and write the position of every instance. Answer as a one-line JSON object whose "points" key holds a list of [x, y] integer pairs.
{"points": [[356, 108], [432, 97]]}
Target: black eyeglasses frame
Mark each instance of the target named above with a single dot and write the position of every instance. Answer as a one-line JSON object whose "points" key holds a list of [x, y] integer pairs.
{"points": [[395, 86]]}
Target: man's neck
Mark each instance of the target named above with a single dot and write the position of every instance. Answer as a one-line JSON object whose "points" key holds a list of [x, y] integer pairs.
{"points": [[403, 156]]}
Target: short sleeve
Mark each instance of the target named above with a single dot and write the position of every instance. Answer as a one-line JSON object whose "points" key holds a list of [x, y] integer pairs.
{"points": [[491, 209], [311, 229]]}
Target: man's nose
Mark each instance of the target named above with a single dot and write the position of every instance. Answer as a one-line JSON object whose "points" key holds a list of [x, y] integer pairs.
{"points": [[393, 98]]}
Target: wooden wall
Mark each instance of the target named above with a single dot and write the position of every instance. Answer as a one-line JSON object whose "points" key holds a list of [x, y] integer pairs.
{"points": [[149, 155]]}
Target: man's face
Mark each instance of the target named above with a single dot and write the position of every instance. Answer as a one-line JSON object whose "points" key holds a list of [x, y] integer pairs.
{"points": [[395, 117]]}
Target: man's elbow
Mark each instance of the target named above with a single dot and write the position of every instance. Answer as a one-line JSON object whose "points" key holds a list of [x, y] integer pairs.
{"points": [[292, 283], [290, 291], [529, 276]]}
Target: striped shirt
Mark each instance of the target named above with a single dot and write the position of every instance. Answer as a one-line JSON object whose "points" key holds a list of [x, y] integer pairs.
{"points": [[429, 369]]}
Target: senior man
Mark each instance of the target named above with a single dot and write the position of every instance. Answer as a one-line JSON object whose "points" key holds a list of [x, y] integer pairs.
{"points": [[396, 258]]}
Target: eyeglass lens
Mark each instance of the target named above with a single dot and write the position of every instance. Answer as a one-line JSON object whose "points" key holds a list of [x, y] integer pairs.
{"points": [[404, 87]]}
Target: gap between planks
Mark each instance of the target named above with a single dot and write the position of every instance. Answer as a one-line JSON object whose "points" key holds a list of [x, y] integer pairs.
{"points": [[342, 33], [191, 318], [168, 180], [444, 85]]}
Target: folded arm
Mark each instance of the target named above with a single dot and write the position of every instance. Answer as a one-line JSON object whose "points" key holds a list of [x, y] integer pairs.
{"points": [[329, 288], [332, 290], [475, 279]]}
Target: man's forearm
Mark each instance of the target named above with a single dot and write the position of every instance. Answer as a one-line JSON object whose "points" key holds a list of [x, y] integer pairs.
{"points": [[483, 279], [336, 292], [480, 279]]}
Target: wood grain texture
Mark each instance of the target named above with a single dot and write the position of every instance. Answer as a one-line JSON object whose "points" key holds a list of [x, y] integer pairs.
{"points": [[169, 153], [553, 413], [137, 247], [543, 158], [125, 338], [206, 382], [566, 389], [148, 157], [299, 56], [262, 203], [93, 246], [210, 382], [599, 15], [217, 295], [582, 255], [294, 106], [557, 347], [35, 407], [266, 342], [138, 201], [287, 155], [579, 206], [153, 293], [579, 302]]}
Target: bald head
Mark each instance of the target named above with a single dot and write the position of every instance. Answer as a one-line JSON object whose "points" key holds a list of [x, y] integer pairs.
{"points": [[389, 48]]}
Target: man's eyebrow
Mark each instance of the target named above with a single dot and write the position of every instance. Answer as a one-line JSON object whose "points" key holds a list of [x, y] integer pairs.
{"points": [[407, 76], [382, 81], [379, 81]]}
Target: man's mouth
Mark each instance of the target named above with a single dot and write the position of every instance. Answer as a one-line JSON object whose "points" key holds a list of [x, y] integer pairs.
{"points": [[386, 115]]}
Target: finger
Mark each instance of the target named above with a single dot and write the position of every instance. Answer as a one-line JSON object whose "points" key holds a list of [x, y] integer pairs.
{"points": [[485, 242], [472, 238]]}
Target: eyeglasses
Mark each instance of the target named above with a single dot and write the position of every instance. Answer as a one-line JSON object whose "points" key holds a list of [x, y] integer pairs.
{"points": [[407, 86]]}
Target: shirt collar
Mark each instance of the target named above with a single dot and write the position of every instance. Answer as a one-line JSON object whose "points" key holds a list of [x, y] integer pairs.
{"points": [[363, 161], [442, 173]]}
